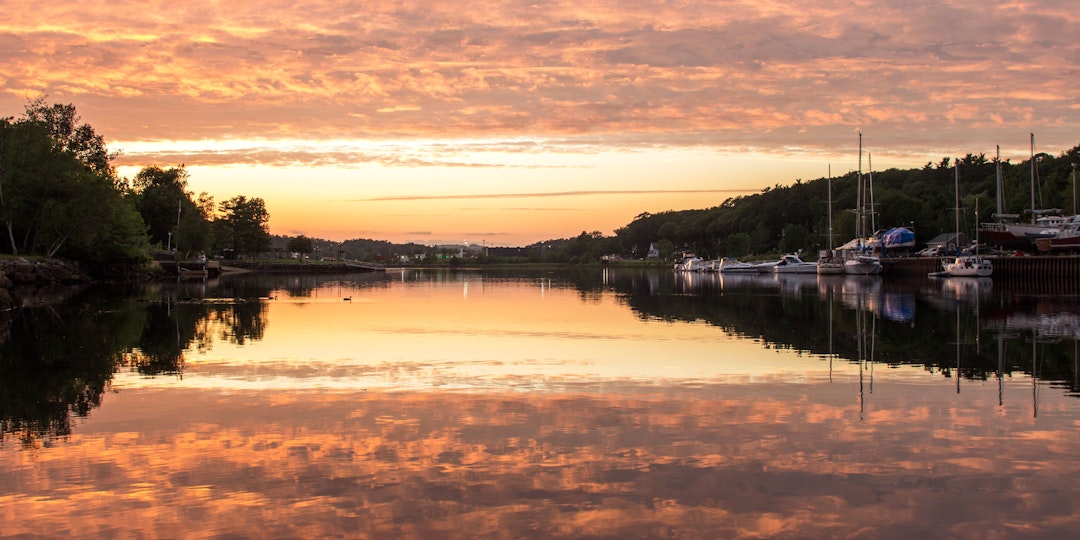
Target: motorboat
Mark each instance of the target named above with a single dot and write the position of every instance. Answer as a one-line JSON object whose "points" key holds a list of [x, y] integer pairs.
{"points": [[730, 265], [766, 267], [691, 264], [793, 264]]}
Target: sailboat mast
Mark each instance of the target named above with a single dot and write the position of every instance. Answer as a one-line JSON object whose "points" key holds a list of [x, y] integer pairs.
{"points": [[859, 217], [956, 176], [830, 209], [870, 187], [1033, 178], [1000, 184]]}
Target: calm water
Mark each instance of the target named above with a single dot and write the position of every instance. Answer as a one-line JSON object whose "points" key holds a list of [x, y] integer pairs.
{"points": [[595, 404]]}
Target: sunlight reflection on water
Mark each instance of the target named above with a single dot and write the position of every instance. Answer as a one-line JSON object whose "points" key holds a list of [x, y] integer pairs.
{"points": [[420, 411]]}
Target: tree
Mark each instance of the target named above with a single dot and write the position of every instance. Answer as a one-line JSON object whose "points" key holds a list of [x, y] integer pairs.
{"points": [[300, 244], [795, 238], [737, 245], [242, 226], [55, 204], [174, 219], [80, 139]]}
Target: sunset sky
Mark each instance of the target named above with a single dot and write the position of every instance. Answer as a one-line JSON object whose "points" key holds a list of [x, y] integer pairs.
{"points": [[510, 122]]}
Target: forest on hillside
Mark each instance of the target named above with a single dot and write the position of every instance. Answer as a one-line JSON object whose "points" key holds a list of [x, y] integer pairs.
{"points": [[789, 218]]}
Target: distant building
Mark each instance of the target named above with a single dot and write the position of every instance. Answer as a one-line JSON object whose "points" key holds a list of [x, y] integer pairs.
{"points": [[947, 240], [654, 252]]}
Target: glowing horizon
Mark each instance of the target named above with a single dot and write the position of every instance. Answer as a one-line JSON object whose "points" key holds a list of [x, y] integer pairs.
{"points": [[385, 106]]}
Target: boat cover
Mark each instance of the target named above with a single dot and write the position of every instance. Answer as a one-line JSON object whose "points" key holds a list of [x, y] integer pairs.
{"points": [[899, 237]]}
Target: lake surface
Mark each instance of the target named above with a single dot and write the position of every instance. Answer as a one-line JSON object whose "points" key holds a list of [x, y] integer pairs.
{"points": [[587, 404]]}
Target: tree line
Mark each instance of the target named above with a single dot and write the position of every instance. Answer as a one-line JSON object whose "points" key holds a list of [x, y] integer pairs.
{"points": [[60, 196], [787, 219], [784, 219]]}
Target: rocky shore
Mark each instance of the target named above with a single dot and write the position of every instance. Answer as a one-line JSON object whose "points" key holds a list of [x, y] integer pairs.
{"points": [[19, 273]]}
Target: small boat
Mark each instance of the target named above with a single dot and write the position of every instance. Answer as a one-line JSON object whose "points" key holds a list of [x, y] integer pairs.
{"points": [[967, 266], [964, 265], [730, 265], [793, 264]]}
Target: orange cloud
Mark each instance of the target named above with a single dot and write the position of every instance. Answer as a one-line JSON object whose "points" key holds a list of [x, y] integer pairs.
{"points": [[153, 71]]}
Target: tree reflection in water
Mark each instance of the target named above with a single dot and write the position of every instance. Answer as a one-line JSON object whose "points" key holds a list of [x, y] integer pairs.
{"points": [[58, 357], [57, 360]]}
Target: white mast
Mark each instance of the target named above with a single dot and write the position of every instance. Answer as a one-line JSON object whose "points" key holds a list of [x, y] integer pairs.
{"points": [[830, 208], [1033, 178], [870, 186], [859, 217], [956, 176], [1000, 183]]}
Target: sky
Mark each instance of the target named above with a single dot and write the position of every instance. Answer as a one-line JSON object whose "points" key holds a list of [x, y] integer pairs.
{"points": [[508, 122]]}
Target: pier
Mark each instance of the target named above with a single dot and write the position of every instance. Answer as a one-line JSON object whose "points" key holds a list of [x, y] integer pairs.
{"points": [[280, 266], [1061, 269]]}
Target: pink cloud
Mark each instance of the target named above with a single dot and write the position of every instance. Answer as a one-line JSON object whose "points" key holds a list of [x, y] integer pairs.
{"points": [[719, 76]]}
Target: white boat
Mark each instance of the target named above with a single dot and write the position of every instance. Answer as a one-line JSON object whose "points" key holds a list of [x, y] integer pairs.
{"points": [[964, 265], [967, 266], [859, 264], [729, 265], [766, 267], [793, 264], [857, 260], [692, 264]]}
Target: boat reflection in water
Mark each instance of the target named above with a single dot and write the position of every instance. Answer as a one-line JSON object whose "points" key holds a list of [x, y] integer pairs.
{"points": [[580, 403]]}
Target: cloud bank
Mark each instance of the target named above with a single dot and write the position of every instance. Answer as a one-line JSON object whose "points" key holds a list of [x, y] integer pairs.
{"points": [[744, 73]]}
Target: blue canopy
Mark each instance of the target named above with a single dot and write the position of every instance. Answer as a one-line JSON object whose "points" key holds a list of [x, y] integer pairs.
{"points": [[898, 237]]}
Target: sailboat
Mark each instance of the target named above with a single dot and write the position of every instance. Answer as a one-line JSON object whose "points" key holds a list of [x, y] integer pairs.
{"points": [[964, 265], [858, 261], [828, 262], [1009, 233]]}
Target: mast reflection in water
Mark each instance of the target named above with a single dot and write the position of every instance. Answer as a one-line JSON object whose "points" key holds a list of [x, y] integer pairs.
{"points": [[607, 403]]}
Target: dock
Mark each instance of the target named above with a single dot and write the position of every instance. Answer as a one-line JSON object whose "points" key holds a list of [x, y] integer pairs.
{"points": [[1045, 268]]}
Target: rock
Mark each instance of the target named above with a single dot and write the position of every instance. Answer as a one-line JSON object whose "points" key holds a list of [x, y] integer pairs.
{"points": [[6, 301], [22, 271]]}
